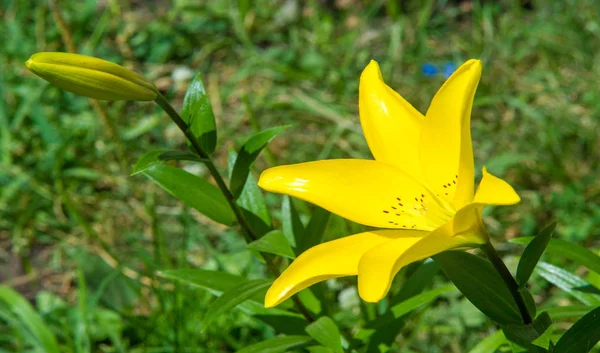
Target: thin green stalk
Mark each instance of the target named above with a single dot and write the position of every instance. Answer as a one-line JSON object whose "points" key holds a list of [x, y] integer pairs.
{"points": [[512, 285], [247, 230]]}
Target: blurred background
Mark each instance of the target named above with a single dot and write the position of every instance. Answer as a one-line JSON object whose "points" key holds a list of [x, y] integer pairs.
{"points": [[82, 240]]}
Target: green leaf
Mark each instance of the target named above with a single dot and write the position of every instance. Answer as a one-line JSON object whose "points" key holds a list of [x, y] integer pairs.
{"points": [[567, 281], [525, 335], [193, 191], [388, 326], [315, 229], [477, 279], [582, 336], [198, 114], [31, 321], [326, 332], [273, 243], [529, 301], [568, 312], [532, 254], [216, 282], [419, 300], [252, 201], [417, 282], [233, 297], [565, 249], [277, 344], [247, 155], [156, 157], [490, 343], [291, 225]]}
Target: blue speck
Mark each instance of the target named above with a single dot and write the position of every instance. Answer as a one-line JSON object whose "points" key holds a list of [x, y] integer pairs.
{"points": [[429, 69], [449, 69]]}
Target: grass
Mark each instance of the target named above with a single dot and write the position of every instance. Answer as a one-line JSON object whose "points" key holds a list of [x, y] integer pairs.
{"points": [[83, 239]]}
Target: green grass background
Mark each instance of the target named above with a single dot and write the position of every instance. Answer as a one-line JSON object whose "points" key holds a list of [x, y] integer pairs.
{"points": [[83, 240]]}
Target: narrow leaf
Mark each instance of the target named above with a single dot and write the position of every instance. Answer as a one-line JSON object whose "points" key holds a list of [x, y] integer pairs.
{"points": [[30, 319], [216, 282], [417, 282], [568, 312], [247, 155], [582, 336], [156, 157], [326, 332], [291, 225], [567, 281], [252, 201], [193, 191], [233, 297], [388, 325], [532, 254], [477, 279], [315, 229], [277, 344], [525, 335], [568, 250], [273, 243], [419, 300], [198, 114], [490, 343]]}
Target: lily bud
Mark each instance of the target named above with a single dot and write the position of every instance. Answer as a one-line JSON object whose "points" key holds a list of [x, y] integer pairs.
{"points": [[91, 77]]}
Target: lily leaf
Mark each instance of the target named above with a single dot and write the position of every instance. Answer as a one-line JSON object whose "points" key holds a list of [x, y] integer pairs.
{"points": [[218, 282], [233, 297], [273, 243], [570, 251], [314, 229], [291, 225], [160, 156], [568, 282], [247, 155], [532, 254], [582, 336], [327, 333], [490, 343], [278, 344], [252, 201], [193, 191], [477, 279], [526, 335], [198, 114]]}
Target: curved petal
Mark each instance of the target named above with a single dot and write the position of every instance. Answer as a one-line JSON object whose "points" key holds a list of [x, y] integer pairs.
{"points": [[491, 191], [379, 265], [445, 149], [363, 191], [332, 259], [390, 124]]}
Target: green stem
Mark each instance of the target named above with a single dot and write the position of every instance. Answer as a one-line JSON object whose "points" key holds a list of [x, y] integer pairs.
{"points": [[247, 230], [512, 285]]}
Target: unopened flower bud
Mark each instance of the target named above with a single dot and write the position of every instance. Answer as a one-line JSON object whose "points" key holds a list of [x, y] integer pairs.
{"points": [[91, 77]]}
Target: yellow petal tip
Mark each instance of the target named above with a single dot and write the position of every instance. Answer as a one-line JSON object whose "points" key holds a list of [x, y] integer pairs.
{"points": [[29, 63], [371, 70]]}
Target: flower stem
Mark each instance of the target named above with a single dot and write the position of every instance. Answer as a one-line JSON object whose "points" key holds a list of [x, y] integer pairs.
{"points": [[506, 276], [249, 234]]}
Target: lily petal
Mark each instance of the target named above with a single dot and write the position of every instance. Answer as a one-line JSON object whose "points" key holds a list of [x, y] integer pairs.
{"points": [[445, 149], [381, 263], [390, 124], [332, 259], [491, 191], [363, 191]]}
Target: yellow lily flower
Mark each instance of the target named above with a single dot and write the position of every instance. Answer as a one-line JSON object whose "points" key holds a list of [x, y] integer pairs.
{"points": [[420, 187]]}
